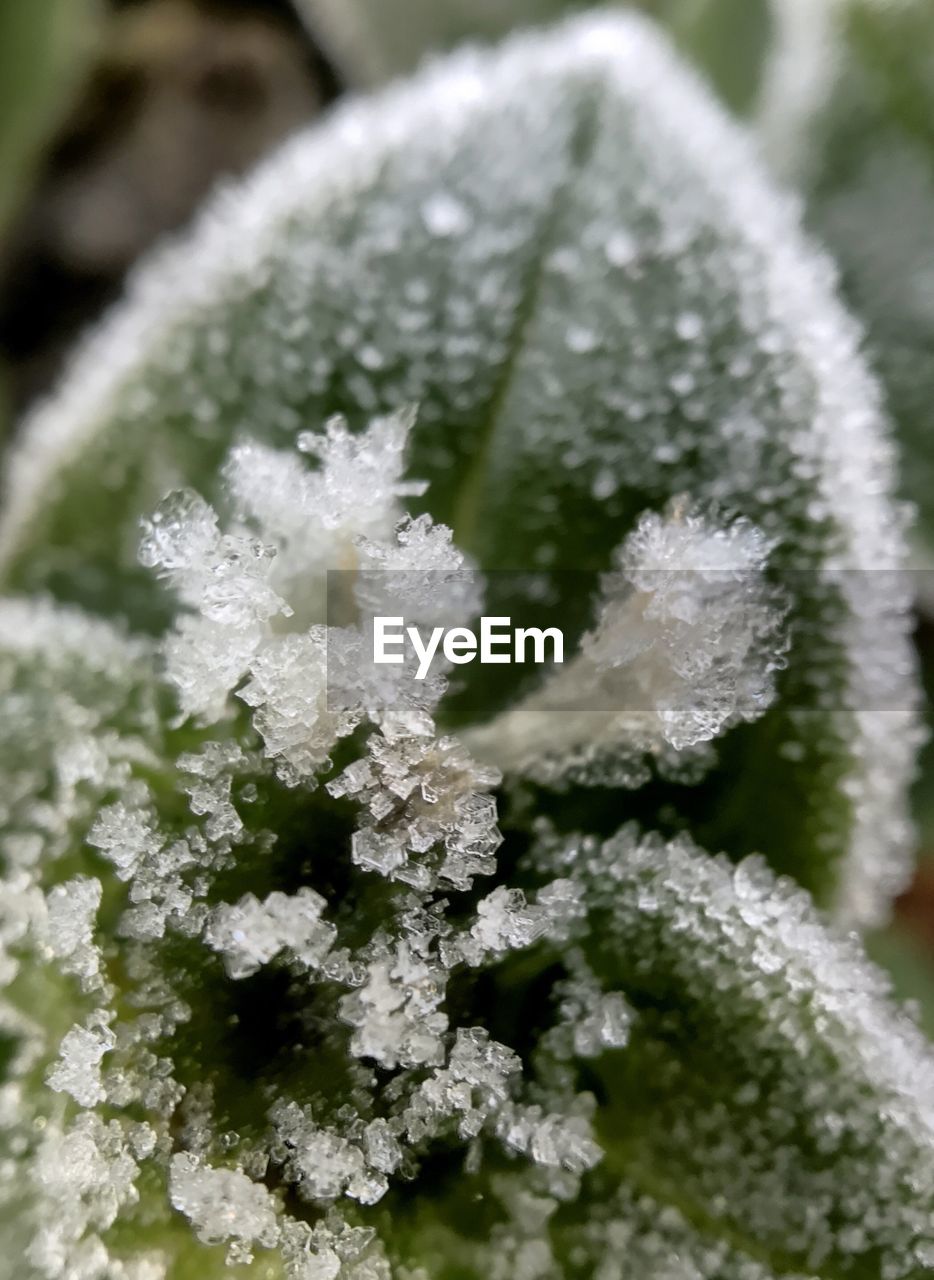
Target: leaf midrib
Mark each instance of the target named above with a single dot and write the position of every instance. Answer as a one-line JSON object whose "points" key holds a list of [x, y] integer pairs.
{"points": [[465, 519]]}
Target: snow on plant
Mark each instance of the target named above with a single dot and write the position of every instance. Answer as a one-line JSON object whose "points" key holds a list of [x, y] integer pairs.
{"points": [[321, 973]]}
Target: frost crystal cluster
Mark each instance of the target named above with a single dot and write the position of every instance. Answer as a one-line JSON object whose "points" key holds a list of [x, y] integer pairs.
{"points": [[317, 971], [686, 643]]}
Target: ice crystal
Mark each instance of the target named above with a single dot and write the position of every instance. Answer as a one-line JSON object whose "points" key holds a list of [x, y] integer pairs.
{"points": [[246, 588], [396, 1014], [222, 1204], [506, 921], [423, 794], [88, 1173], [251, 932], [316, 518], [687, 643], [71, 916], [696, 932], [591, 1020], [162, 870], [78, 1070], [326, 1165], [287, 687]]}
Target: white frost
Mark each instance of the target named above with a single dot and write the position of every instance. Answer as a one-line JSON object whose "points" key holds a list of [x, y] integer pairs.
{"points": [[687, 643]]}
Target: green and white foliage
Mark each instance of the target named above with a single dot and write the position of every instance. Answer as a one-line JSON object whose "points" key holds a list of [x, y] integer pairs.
{"points": [[839, 92], [321, 987], [845, 114], [606, 329]]}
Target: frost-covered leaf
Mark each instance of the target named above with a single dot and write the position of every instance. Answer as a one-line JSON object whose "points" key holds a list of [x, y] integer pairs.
{"points": [[770, 1090], [687, 642], [848, 100], [291, 983], [579, 276], [631, 1236], [80, 713]]}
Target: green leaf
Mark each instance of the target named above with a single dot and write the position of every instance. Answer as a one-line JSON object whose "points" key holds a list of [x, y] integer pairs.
{"points": [[567, 257], [771, 1092], [570, 261]]}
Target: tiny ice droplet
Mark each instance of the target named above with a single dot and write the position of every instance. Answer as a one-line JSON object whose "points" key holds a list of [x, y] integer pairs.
{"points": [[371, 358], [604, 484], [689, 326], [620, 249], [444, 216], [580, 340]]}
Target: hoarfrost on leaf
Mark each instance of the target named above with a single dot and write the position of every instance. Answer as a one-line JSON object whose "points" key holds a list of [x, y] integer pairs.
{"points": [[78, 1070], [285, 980], [250, 933], [259, 626], [222, 1204], [314, 287], [423, 794], [396, 1014], [71, 915], [88, 1174], [775, 1073], [687, 643]]}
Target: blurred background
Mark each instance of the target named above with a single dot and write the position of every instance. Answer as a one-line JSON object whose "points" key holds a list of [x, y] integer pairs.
{"points": [[118, 117]]}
